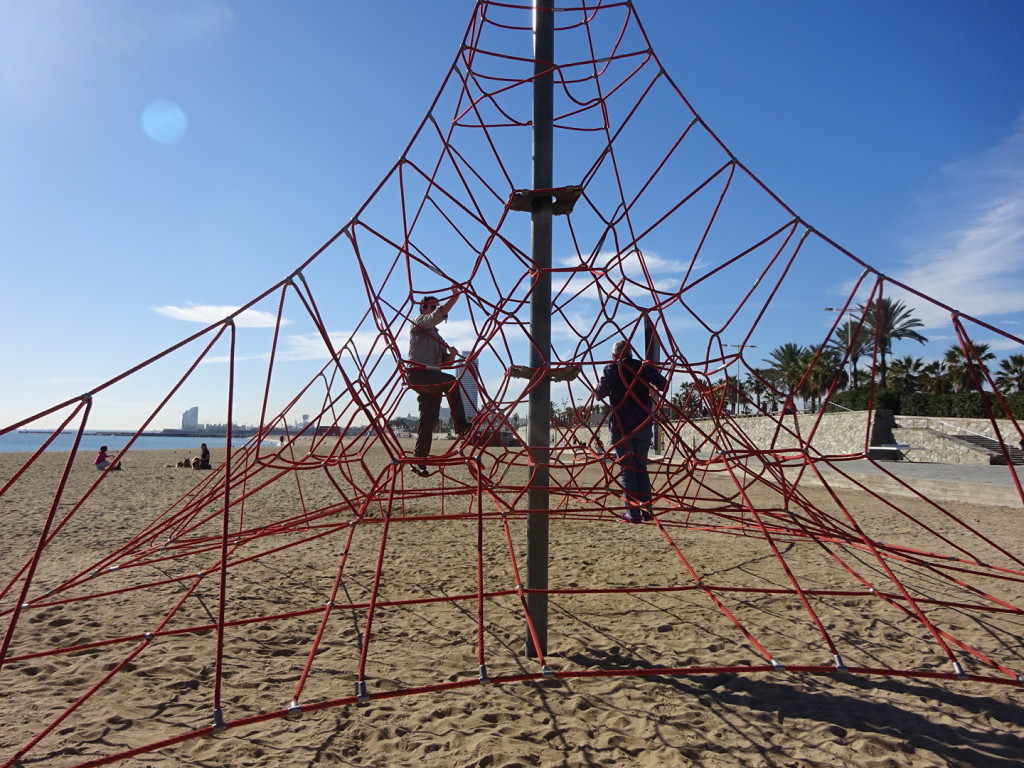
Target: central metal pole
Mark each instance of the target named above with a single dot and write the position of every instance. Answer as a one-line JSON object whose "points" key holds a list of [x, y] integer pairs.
{"points": [[540, 326]]}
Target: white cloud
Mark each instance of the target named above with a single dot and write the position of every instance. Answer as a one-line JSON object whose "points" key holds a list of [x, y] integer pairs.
{"points": [[459, 333], [208, 315], [310, 346], [366, 344], [970, 255], [631, 265], [1000, 344], [237, 358]]}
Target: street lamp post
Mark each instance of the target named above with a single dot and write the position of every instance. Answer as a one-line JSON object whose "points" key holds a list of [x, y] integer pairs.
{"points": [[736, 387]]}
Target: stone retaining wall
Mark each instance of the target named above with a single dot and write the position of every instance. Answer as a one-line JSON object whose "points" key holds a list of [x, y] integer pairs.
{"points": [[837, 433], [977, 426], [843, 433], [935, 447], [930, 434]]}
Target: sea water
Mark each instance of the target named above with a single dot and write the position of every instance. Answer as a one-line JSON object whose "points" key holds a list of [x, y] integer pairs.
{"points": [[29, 442]]}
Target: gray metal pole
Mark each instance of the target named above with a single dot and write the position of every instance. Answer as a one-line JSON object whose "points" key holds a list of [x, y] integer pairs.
{"points": [[540, 325]]}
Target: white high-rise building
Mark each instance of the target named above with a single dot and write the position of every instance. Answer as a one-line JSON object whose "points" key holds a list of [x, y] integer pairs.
{"points": [[190, 418], [467, 386]]}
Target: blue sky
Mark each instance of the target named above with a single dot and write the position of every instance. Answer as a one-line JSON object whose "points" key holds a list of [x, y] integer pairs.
{"points": [[163, 161]]}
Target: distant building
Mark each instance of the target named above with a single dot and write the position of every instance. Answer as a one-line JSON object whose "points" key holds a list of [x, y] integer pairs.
{"points": [[468, 387], [490, 429], [190, 418]]}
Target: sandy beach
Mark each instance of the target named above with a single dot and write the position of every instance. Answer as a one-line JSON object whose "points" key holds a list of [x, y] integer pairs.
{"points": [[122, 615]]}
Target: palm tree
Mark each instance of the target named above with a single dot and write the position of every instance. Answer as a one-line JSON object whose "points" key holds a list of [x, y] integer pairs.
{"points": [[888, 320], [823, 369], [786, 367], [682, 398], [961, 368], [757, 386], [1010, 376], [934, 379], [853, 339], [905, 373], [688, 402], [735, 391]]}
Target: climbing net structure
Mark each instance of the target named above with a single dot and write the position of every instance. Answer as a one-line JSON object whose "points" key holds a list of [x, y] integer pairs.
{"points": [[283, 581]]}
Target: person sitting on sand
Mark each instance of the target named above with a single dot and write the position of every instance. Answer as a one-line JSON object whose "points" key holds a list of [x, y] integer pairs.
{"points": [[102, 461], [204, 457]]}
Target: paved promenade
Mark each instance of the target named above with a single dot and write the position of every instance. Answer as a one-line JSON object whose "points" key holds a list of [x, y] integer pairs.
{"points": [[976, 474], [975, 483]]}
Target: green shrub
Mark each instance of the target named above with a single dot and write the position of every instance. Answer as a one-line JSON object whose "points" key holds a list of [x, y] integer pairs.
{"points": [[964, 405]]}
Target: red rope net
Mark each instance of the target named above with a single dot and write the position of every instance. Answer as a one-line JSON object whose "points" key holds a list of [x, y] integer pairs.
{"points": [[672, 244]]}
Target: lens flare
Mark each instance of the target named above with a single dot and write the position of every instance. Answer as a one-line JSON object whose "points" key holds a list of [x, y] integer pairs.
{"points": [[164, 122]]}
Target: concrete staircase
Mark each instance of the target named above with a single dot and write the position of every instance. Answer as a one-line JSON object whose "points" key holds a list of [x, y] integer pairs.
{"points": [[994, 448]]}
